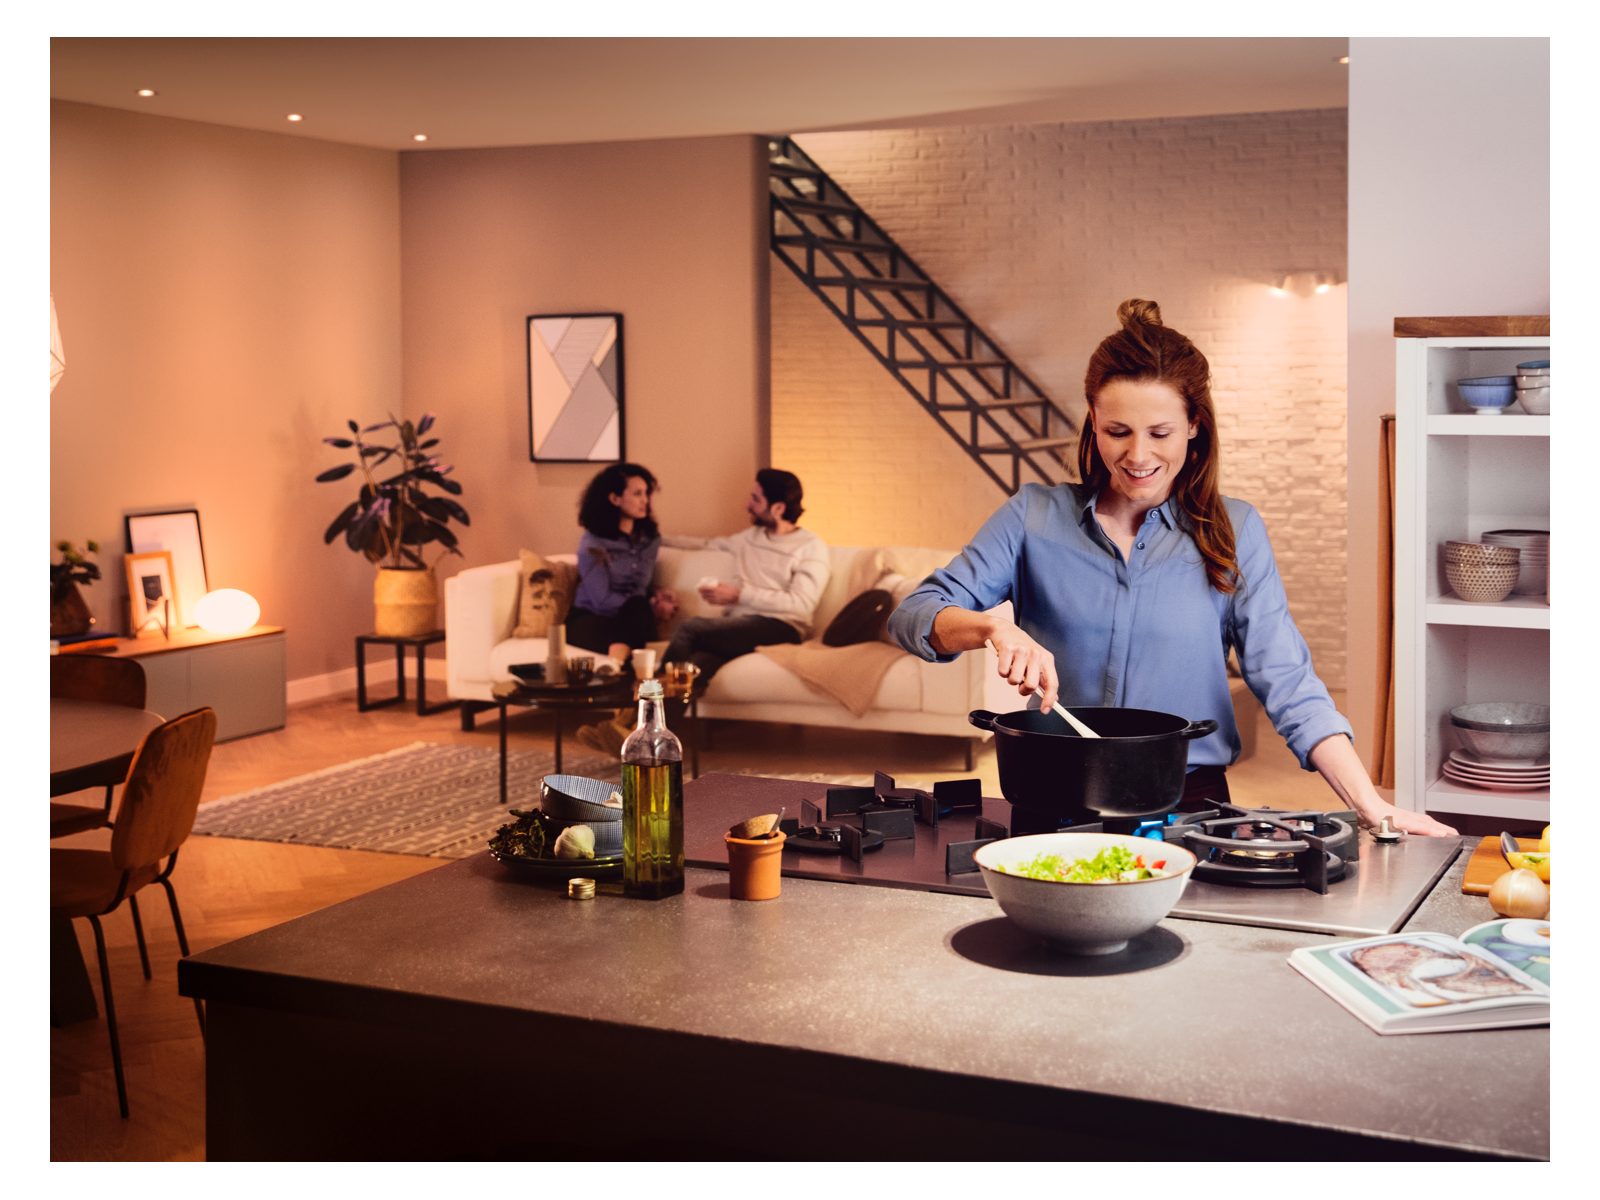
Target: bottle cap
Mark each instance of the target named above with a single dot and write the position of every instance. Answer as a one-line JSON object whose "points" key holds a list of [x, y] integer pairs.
{"points": [[650, 689], [580, 888]]}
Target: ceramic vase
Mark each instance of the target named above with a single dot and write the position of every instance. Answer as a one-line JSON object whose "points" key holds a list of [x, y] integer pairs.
{"points": [[70, 616]]}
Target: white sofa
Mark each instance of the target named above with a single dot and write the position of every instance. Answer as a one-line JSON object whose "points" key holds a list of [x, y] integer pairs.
{"points": [[914, 697]]}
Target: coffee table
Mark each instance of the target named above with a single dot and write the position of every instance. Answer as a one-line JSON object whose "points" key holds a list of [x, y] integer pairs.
{"points": [[601, 691]]}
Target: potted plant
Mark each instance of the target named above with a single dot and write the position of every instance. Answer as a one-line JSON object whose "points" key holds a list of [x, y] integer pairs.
{"points": [[69, 613], [394, 517]]}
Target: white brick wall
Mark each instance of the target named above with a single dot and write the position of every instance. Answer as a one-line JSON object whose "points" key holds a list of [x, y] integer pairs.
{"points": [[1039, 232]]}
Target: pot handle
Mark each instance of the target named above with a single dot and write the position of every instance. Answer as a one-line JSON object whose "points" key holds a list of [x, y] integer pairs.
{"points": [[1197, 729], [983, 718]]}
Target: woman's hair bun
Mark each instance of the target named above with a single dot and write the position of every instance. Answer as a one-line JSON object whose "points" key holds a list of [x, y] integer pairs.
{"points": [[1138, 312]]}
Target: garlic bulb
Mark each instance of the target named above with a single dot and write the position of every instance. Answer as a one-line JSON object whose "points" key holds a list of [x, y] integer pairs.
{"points": [[577, 841], [1520, 893]]}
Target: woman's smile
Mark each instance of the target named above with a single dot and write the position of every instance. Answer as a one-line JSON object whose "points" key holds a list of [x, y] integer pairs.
{"points": [[1142, 431]]}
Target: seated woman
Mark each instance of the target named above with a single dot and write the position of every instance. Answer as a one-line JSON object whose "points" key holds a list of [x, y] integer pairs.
{"points": [[614, 608]]}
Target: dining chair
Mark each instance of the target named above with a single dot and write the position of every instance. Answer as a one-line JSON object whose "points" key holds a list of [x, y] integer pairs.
{"points": [[159, 801], [118, 681]]}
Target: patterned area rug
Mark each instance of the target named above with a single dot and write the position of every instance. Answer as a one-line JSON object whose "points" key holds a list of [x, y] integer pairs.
{"points": [[424, 799]]}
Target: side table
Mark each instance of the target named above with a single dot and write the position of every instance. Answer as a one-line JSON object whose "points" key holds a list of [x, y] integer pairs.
{"points": [[421, 642]]}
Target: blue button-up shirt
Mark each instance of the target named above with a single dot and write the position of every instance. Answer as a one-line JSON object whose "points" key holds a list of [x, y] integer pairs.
{"points": [[610, 570], [1146, 632]]}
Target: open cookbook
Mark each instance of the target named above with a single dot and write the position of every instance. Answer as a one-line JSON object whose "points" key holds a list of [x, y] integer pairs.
{"points": [[1493, 975]]}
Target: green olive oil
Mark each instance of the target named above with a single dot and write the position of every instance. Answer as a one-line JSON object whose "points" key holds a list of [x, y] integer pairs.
{"points": [[652, 803]]}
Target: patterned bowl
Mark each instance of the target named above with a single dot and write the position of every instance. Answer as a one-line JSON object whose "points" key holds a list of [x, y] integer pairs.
{"points": [[1482, 583], [1488, 394], [1482, 554]]}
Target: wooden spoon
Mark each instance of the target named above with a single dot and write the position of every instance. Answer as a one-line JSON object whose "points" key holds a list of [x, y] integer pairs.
{"points": [[1078, 726]]}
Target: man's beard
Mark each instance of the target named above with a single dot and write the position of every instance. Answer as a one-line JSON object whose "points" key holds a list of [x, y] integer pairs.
{"points": [[765, 521]]}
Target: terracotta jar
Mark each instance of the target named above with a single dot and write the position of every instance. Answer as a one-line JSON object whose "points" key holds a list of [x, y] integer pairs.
{"points": [[755, 867]]}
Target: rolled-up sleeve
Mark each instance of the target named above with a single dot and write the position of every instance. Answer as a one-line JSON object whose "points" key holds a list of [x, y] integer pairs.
{"points": [[978, 578], [1273, 657]]}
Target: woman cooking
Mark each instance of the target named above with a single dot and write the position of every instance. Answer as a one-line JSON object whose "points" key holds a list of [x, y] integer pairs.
{"points": [[1130, 587]]}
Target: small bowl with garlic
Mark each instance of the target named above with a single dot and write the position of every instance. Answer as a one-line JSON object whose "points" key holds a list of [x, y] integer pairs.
{"points": [[576, 802]]}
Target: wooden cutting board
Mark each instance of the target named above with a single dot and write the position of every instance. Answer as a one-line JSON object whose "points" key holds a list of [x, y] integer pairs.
{"points": [[1487, 864]]}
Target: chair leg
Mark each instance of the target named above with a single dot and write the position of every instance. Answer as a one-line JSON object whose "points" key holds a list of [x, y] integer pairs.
{"points": [[183, 948], [138, 933], [111, 1015]]}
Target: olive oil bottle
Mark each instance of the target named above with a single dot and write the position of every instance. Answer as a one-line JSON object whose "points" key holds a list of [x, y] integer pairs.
{"points": [[652, 802]]}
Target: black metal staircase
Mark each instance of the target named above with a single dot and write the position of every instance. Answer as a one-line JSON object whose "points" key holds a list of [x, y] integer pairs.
{"points": [[959, 374]]}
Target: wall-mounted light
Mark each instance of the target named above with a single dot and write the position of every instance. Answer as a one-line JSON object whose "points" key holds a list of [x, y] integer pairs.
{"points": [[295, 117], [146, 93], [1343, 60], [419, 137], [1304, 283], [227, 610]]}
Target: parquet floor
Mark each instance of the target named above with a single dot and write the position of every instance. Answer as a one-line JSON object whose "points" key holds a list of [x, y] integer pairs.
{"points": [[230, 888]]}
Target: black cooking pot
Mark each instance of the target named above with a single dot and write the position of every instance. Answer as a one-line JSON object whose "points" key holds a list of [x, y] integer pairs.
{"points": [[1135, 768]]}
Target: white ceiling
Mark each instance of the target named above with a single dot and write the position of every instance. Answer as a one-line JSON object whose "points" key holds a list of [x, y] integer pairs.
{"points": [[529, 91]]}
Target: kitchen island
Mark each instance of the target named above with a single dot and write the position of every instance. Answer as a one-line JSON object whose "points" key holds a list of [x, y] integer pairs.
{"points": [[465, 1013]]}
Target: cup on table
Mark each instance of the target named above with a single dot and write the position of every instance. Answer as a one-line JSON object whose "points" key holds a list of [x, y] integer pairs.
{"points": [[580, 669], [680, 677], [644, 664]]}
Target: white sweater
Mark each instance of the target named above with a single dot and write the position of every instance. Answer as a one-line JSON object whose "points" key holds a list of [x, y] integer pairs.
{"points": [[778, 576]]}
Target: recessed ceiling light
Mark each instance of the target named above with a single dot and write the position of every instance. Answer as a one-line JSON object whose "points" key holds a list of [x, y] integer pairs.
{"points": [[1343, 60], [419, 137], [296, 117], [147, 92]]}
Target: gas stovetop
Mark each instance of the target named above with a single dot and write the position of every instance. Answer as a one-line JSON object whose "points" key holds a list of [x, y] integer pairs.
{"points": [[888, 836]]}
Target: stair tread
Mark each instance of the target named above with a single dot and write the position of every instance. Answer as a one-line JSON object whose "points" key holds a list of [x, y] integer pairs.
{"points": [[1042, 443], [915, 322], [1001, 402], [963, 363], [800, 239], [792, 169], [821, 206], [875, 281]]}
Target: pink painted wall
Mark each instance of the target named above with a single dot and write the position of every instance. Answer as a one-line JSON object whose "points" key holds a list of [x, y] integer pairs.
{"points": [[226, 298], [669, 233]]}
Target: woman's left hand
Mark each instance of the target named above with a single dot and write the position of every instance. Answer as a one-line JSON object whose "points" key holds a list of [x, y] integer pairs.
{"points": [[1336, 759], [1405, 820]]}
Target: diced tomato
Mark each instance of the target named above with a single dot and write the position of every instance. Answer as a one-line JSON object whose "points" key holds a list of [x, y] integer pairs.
{"points": [[1156, 866]]}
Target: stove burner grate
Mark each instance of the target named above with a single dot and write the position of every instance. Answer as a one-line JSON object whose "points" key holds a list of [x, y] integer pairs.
{"points": [[1267, 848]]}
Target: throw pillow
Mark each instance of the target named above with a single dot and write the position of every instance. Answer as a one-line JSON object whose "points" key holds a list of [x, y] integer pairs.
{"points": [[547, 589], [898, 587], [861, 620]]}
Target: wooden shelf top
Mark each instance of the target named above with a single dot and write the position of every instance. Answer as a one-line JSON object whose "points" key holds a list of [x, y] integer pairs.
{"points": [[184, 639], [1430, 327]]}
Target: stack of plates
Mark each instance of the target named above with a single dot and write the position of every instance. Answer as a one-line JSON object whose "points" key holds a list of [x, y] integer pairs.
{"points": [[1534, 578], [1497, 774]]}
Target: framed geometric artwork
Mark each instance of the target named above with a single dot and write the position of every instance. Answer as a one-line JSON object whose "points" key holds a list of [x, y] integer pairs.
{"points": [[179, 533], [575, 411]]}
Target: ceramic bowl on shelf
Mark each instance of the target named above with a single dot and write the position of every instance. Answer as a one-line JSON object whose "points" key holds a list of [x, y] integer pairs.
{"points": [[1481, 583], [1535, 401], [1534, 544], [1488, 393], [1503, 728], [1493, 554]]}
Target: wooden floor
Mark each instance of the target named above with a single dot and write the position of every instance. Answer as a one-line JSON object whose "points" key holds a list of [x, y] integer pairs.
{"points": [[230, 888]]}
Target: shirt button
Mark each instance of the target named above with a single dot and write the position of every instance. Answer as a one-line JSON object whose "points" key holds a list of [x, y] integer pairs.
{"points": [[1139, 545]]}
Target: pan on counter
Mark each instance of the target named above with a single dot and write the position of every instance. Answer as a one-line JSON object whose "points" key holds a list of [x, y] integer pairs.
{"points": [[1135, 768]]}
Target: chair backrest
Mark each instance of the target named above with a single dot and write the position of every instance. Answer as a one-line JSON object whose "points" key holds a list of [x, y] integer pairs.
{"points": [[163, 790], [95, 677]]}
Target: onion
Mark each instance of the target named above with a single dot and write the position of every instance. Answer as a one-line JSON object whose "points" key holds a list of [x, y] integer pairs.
{"points": [[1520, 893]]}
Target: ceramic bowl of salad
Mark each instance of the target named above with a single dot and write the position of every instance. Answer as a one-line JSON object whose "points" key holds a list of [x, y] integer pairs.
{"points": [[1087, 893]]}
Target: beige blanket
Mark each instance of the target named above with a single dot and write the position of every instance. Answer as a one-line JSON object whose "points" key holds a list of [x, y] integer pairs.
{"points": [[850, 675]]}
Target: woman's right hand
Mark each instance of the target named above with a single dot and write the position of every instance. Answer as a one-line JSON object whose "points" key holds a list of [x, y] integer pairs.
{"points": [[1025, 664]]}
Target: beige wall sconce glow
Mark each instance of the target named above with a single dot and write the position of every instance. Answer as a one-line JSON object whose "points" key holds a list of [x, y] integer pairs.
{"points": [[1304, 283], [147, 92], [296, 117], [419, 137]]}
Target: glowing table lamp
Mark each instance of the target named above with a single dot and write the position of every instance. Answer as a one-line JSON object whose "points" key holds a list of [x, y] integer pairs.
{"points": [[227, 610]]}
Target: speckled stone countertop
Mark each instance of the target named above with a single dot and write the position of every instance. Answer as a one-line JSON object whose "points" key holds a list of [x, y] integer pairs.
{"points": [[921, 981]]}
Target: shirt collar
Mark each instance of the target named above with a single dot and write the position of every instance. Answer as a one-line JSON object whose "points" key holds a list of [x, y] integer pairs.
{"points": [[1086, 504]]}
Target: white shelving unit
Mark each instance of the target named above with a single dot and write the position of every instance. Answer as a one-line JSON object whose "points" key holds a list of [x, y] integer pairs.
{"points": [[1457, 475]]}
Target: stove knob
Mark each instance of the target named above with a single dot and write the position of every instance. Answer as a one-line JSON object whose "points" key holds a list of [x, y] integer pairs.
{"points": [[1386, 832]]}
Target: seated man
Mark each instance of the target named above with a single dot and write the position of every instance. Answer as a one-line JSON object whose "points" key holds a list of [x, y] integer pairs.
{"points": [[779, 573]]}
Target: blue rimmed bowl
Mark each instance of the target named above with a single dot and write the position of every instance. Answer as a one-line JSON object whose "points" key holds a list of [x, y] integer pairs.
{"points": [[1488, 393]]}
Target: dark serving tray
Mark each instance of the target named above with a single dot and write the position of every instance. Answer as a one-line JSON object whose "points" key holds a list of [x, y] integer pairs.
{"points": [[546, 869]]}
